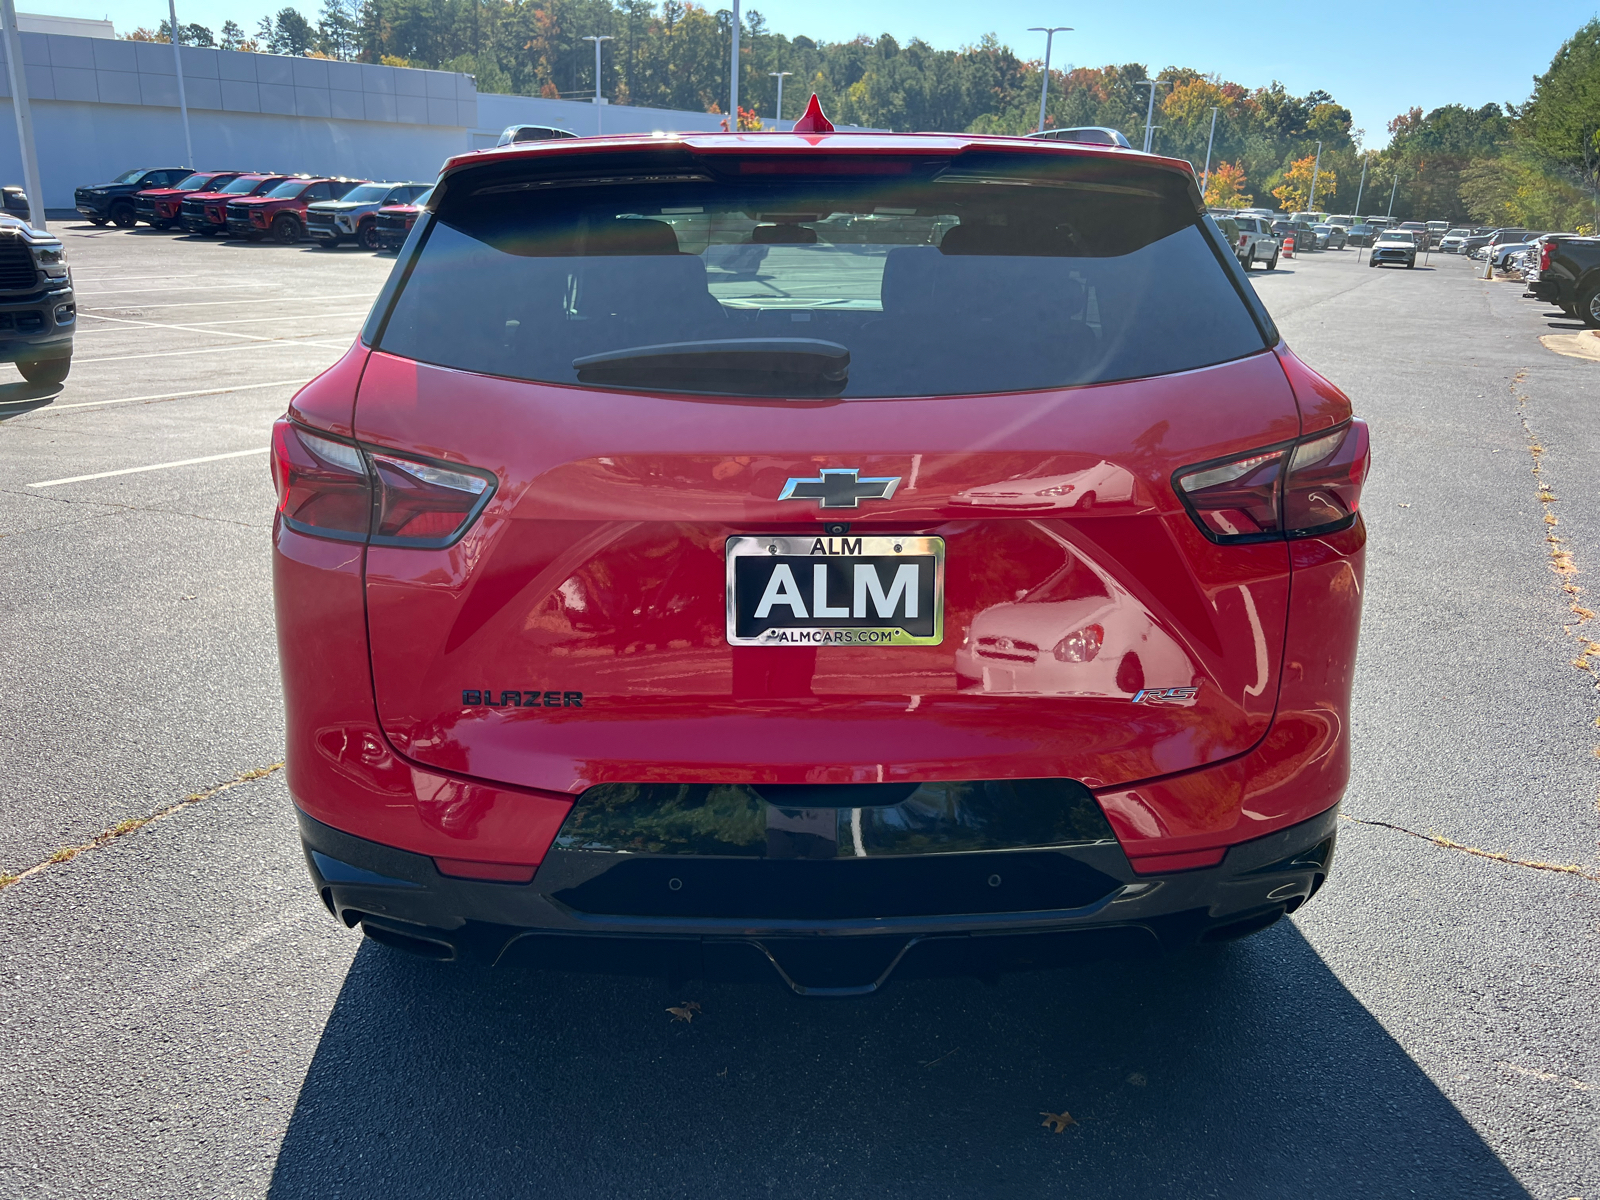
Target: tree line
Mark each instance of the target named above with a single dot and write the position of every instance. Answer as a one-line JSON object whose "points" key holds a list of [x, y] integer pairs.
{"points": [[1536, 163]]}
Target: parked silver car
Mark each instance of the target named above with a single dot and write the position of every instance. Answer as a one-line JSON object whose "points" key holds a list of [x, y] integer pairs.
{"points": [[1331, 237]]}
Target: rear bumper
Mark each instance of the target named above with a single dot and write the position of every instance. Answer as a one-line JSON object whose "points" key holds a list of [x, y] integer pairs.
{"points": [[403, 899]]}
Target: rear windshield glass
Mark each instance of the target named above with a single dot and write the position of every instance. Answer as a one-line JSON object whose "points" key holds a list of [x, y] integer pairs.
{"points": [[1001, 274]]}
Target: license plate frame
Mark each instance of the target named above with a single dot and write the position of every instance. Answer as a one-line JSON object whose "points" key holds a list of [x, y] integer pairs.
{"points": [[904, 625]]}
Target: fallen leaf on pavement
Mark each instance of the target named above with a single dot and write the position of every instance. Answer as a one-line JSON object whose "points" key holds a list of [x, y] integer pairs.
{"points": [[685, 1011], [1058, 1122]]}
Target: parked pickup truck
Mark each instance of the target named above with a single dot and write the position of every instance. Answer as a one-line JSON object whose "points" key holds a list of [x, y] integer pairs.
{"points": [[355, 218], [113, 201], [282, 211], [204, 213], [37, 310], [394, 222], [1569, 277], [159, 207]]}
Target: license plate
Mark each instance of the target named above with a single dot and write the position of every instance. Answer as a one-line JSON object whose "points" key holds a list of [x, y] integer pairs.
{"points": [[835, 591]]}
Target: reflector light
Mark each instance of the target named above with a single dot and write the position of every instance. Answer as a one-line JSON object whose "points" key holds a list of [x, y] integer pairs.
{"points": [[337, 489], [1299, 490], [1081, 645]]}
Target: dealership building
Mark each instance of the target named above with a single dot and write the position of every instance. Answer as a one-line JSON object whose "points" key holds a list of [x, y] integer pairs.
{"points": [[102, 105]]}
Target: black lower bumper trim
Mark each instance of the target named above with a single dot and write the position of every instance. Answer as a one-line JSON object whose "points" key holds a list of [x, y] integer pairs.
{"points": [[414, 907]]}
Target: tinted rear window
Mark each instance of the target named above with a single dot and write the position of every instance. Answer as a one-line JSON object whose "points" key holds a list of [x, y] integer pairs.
{"points": [[1004, 273]]}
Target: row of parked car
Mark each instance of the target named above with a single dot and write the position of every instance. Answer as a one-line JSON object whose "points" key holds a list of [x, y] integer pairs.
{"points": [[1558, 268], [1259, 235], [258, 204]]}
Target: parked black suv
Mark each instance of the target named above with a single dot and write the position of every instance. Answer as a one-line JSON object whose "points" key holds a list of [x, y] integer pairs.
{"points": [[114, 201], [37, 310]]}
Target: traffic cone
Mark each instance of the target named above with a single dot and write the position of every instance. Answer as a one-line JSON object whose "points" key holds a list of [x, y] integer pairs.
{"points": [[1288, 246]]}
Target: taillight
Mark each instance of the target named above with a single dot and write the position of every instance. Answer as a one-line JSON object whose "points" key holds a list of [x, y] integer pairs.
{"points": [[323, 485], [1081, 645], [420, 502], [337, 489], [1544, 256], [1301, 489]]}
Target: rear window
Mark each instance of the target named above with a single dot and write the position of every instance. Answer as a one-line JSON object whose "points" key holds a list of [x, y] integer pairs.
{"points": [[986, 274]]}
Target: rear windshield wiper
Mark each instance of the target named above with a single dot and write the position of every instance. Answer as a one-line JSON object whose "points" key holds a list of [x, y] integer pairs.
{"points": [[800, 368]]}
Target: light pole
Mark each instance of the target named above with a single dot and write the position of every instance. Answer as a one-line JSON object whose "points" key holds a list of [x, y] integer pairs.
{"points": [[597, 39], [1392, 188], [779, 75], [1316, 167], [177, 62], [24, 114], [1049, 32], [733, 75], [1206, 177], [1150, 113], [1361, 191]]}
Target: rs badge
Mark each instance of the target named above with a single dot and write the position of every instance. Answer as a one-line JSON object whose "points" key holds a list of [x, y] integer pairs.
{"points": [[1178, 697]]}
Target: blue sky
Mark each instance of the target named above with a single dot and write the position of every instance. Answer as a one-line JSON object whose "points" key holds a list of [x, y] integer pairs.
{"points": [[1427, 54]]}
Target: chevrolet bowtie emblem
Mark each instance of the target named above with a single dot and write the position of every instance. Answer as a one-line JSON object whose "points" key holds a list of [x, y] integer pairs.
{"points": [[839, 488]]}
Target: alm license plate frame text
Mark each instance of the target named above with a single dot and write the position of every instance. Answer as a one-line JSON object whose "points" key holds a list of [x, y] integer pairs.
{"points": [[859, 575]]}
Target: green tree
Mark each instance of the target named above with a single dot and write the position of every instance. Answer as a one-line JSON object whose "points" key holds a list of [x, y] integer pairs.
{"points": [[1561, 120], [289, 33]]}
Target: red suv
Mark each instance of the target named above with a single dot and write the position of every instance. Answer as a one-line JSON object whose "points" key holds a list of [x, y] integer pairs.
{"points": [[393, 223], [160, 207], [204, 213], [978, 590], [282, 211]]}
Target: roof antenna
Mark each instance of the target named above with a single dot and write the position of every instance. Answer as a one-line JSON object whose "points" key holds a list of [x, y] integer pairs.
{"points": [[813, 121]]}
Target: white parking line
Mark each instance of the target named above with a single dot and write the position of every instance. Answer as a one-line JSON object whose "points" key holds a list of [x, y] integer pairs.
{"points": [[237, 347], [297, 300], [204, 287], [355, 312], [182, 462], [179, 328], [205, 326], [221, 391]]}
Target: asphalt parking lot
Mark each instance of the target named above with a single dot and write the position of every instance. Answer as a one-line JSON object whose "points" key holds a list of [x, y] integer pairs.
{"points": [[179, 1016]]}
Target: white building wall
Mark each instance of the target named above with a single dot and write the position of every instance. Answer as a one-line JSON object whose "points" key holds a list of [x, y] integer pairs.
{"points": [[82, 143], [102, 107]]}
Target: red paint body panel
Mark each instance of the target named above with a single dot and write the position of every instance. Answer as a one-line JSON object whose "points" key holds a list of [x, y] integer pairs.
{"points": [[807, 144], [341, 770], [1301, 768], [592, 567], [328, 402]]}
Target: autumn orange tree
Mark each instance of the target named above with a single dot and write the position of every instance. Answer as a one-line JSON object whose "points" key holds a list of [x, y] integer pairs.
{"points": [[1225, 188], [1294, 193]]}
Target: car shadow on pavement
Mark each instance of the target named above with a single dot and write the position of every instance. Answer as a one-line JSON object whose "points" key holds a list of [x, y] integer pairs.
{"points": [[1244, 1071], [24, 397]]}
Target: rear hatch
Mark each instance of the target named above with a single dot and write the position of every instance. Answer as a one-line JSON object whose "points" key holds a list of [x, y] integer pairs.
{"points": [[676, 370]]}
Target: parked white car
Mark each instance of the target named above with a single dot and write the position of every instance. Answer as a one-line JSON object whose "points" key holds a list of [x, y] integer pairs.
{"points": [[1256, 242]]}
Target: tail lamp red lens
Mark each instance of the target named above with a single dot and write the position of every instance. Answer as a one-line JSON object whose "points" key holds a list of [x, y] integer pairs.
{"points": [[1302, 489], [339, 489], [1544, 256]]}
